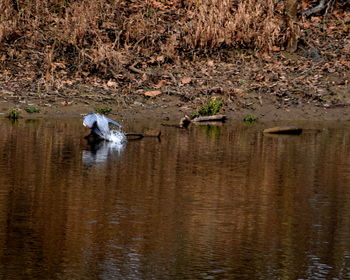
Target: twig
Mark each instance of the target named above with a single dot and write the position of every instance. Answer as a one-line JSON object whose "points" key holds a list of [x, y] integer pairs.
{"points": [[171, 77], [321, 6], [134, 69]]}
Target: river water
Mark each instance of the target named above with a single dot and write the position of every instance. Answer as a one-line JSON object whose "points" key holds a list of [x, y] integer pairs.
{"points": [[210, 202]]}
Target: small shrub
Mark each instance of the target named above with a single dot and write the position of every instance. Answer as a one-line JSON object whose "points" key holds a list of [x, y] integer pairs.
{"points": [[13, 114], [103, 110], [32, 110], [250, 118], [210, 109]]}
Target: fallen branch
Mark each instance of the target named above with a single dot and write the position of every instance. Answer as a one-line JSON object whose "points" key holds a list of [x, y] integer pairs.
{"points": [[215, 118], [137, 136], [186, 120], [134, 69], [320, 7]]}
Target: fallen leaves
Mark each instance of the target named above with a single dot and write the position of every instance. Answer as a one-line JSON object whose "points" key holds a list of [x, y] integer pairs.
{"points": [[111, 84], [210, 63], [65, 103], [152, 93], [346, 49], [186, 80], [160, 84]]}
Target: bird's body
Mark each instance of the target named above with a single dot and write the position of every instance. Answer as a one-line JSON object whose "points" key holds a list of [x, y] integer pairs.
{"points": [[99, 125]]}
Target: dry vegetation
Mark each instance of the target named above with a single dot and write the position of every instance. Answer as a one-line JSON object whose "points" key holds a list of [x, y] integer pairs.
{"points": [[104, 36]]}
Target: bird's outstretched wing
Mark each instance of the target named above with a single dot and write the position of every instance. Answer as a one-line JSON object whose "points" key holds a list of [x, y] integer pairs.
{"points": [[91, 118], [113, 122]]}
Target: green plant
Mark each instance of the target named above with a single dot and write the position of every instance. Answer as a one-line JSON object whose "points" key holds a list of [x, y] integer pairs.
{"points": [[13, 114], [211, 108], [250, 118], [103, 110], [31, 110]]}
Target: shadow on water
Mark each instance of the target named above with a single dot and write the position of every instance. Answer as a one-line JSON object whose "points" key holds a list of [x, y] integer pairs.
{"points": [[223, 202]]}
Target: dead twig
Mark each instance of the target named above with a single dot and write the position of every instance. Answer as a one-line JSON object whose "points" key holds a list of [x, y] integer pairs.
{"points": [[134, 69], [320, 7]]}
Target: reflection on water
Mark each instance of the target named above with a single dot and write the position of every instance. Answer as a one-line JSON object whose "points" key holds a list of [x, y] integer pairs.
{"points": [[102, 151], [205, 203]]}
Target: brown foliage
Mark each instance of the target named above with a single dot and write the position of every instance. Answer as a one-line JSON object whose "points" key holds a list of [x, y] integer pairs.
{"points": [[217, 23], [91, 36]]}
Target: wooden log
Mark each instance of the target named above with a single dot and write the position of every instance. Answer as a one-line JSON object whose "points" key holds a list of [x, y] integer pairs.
{"points": [[284, 130], [215, 118], [137, 136]]}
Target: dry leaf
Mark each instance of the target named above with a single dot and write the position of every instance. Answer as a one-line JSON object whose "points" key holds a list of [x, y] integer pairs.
{"points": [[59, 65], [152, 93], [210, 63], [160, 84], [65, 103], [275, 49], [160, 58], [346, 49], [111, 83], [316, 19], [305, 5], [186, 80], [151, 61], [306, 24]]}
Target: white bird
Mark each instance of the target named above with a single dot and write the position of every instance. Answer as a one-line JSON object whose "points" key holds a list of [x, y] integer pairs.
{"points": [[99, 125]]}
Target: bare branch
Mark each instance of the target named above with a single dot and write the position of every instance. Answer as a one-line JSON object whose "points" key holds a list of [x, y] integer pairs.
{"points": [[320, 7]]}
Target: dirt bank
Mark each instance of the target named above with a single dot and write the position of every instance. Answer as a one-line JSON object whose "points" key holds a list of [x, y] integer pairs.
{"points": [[278, 87], [170, 107]]}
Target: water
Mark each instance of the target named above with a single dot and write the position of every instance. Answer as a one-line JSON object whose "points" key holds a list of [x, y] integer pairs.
{"points": [[205, 203]]}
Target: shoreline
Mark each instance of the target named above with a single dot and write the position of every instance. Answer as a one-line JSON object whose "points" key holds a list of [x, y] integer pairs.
{"points": [[160, 109]]}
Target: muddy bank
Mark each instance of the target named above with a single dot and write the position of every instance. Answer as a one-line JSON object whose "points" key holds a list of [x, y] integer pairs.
{"points": [[280, 86], [169, 108]]}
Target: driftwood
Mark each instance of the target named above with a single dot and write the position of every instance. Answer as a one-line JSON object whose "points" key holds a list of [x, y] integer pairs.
{"points": [[215, 118], [137, 136], [284, 130], [186, 120], [93, 138]]}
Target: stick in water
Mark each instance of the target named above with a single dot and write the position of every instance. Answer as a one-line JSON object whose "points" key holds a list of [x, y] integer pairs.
{"points": [[137, 136]]}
